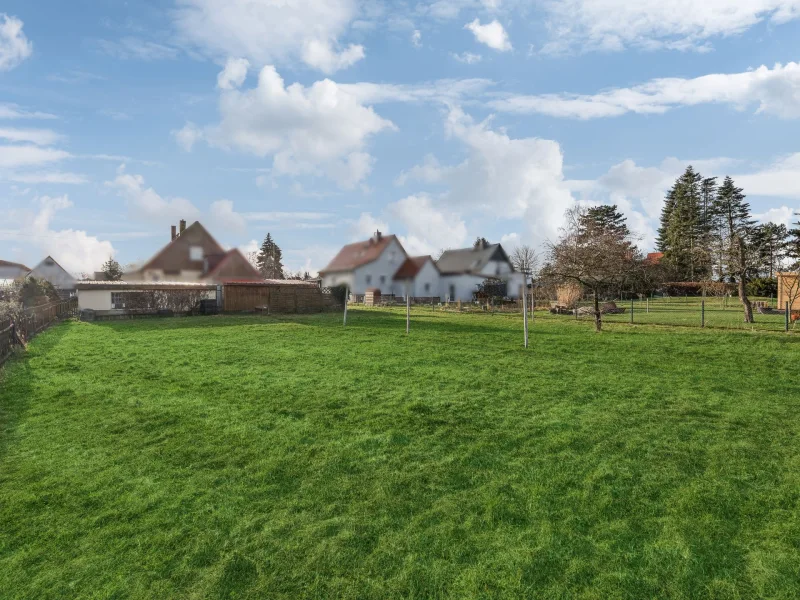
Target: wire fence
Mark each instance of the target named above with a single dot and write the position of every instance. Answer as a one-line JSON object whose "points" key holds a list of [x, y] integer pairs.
{"points": [[18, 332]]}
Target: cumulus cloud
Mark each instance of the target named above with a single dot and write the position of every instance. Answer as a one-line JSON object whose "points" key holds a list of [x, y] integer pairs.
{"points": [[14, 111], [428, 227], [467, 57], [223, 214], [12, 157], [318, 130], [612, 25], [187, 136], [74, 250], [492, 34], [234, 73], [779, 179], [416, 38], [508, 178], [14, 45], [145, 203], [271, 32], [366, 225], [774, 91]]}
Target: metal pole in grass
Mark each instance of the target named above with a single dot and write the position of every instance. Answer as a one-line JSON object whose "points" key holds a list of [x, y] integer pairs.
{"points": [[525, 305], [631, 309], [408, 309], [703, 310], [346, 296], [786, 318]]}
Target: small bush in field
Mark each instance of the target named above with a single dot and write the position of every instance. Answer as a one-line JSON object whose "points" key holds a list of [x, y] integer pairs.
{"points": [[569, 294]]}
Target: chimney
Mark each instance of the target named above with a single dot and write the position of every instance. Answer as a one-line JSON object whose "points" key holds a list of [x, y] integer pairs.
{"points": [[377, 237], [173, 234], [183, 225]]}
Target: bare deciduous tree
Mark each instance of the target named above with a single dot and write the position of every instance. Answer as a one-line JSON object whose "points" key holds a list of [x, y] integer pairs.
{"points": [[524, 259], [597, 257]]}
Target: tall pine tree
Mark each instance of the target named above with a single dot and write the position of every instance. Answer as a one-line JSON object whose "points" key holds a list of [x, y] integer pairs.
{"points": [[793, 246], [735, 228], [269, 259], [606, 218]]}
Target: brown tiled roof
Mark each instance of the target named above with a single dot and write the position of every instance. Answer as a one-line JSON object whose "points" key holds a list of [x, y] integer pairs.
{"points": [[232, 265], [412, 266], [358, 254], [655, 257], [174, 256], [6, 263]]}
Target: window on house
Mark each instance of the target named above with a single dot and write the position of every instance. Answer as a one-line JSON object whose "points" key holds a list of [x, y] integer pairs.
{"points": [[452, 292], [117, 300], [368, 279], [195, 253], [427, 287], [383, 279]]}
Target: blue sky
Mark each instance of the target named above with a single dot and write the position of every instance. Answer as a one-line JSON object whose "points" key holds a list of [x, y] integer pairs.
{"points": [[325, 119]]}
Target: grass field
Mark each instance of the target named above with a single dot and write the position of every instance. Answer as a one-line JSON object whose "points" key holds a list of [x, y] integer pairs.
{"points": [[238, 457]]}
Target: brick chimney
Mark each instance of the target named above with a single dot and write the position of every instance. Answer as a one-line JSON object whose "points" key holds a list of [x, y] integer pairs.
{"points": [[183, 225], [377, 237], [173, 233]]}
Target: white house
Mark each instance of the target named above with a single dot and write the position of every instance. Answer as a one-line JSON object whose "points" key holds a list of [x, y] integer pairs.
{"points": [[367, 265], [10, 272], [463, 270], [382, 263]]}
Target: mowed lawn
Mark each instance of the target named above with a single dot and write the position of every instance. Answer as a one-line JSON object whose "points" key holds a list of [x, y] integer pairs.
{"points": [[239, 457]]}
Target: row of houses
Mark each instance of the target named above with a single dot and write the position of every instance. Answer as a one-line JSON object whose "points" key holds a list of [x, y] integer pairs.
{"points": [[382, 264], [48, 269]]}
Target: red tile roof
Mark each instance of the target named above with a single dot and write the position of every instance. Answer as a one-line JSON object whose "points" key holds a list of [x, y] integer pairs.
{"points": [[412, 266], [654, 257], [358, 254]]}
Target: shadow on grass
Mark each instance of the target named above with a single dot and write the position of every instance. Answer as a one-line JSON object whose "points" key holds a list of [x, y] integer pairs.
{"points": [[17, 381]]}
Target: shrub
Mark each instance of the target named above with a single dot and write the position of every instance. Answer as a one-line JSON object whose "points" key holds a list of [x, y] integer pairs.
{"points": [[763, 286]]}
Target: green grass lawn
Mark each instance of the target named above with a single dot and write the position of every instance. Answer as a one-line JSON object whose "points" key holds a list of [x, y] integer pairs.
{"points": [[239, 457]]}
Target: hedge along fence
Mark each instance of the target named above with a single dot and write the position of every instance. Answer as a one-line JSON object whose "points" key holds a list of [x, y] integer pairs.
{"points": [[30, 321], [283, 297]]}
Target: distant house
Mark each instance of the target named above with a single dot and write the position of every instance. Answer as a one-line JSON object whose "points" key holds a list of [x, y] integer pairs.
{"points": [[366, 265], [654, 258], [464, 269], [382, 263], [11, 271], [193, 255], [53, 272]]}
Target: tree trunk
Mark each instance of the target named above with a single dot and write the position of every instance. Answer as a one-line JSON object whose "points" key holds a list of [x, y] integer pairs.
{"points": [[748, 308], [598, 322]]}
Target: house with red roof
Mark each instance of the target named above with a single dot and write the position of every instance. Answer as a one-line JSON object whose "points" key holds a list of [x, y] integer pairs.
{"points": [[370, 264], [193, 255]]}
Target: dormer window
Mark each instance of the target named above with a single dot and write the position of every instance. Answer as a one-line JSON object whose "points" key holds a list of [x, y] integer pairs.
{"points": [[196, 253]]}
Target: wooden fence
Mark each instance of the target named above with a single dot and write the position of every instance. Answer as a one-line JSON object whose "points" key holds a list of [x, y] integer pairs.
{"points": [[32, 321], [273, 298]]}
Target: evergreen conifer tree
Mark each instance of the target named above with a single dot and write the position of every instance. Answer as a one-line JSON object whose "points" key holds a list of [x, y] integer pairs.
{"points": [[269, 259]]}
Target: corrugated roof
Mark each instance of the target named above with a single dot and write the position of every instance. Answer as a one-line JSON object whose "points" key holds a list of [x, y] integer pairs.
{"points": [[469, 260], [358, 254], [143, 285]]}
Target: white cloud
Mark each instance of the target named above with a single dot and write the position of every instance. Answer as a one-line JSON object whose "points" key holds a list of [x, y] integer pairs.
{"points": [[284, 216], [13, 111], [46, 177], [12, 157], [507, 178], [427, 226], [467, 57], [14, 46], [271, 31], [74, 250], [775, 91], [416, 38], [146, 204], [223, 215], [321, 55], [780, 216], [446, 91], [612, 25], [780, 179], [492, 34], [234, 73], [138, 49], [510, 241], [40, 137], [188, 136], [317, 130], [366, 225]]}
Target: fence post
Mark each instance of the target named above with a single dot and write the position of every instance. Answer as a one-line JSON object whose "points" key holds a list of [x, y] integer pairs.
{"points": [[408, 308], [346, 295], [647, 304], [786, 318], [703, 311], [525, 307], [631, 310]]}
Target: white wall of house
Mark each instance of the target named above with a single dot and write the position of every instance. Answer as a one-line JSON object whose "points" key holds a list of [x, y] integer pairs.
{"points": [[94, 299], [427, 282], [380, 272], [334, 279], [496, 268], [460, 287]]}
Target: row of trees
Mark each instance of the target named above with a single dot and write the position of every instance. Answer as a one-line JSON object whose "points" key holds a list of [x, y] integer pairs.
{"points": [[707, 234]]}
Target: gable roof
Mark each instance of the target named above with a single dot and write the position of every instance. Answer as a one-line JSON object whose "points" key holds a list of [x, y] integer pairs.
{"points": [[8, 263], [470, 260], [412, 266], [235, 266], [358, 254], [175, 255], [48, 262]]}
